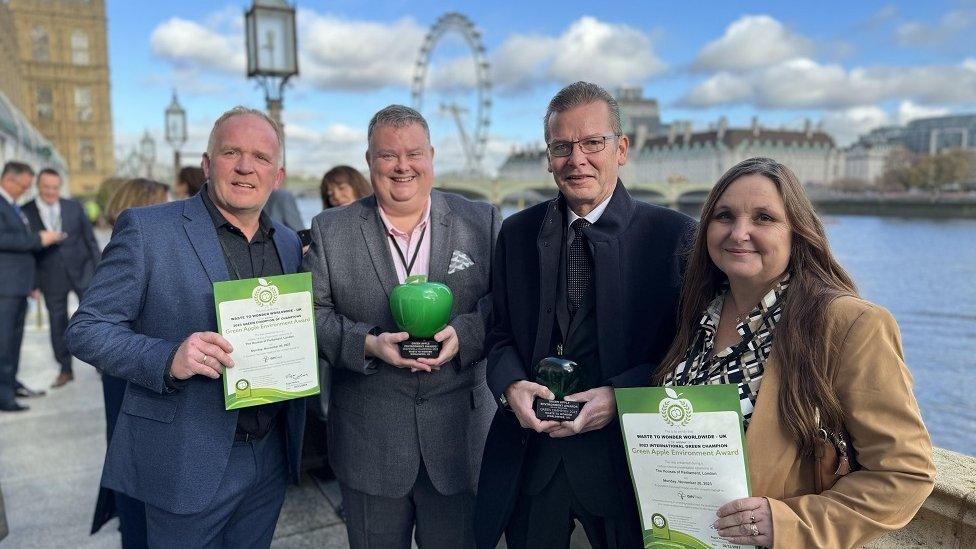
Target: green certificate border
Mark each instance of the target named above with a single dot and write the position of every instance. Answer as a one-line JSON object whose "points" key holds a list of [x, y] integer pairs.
{"points": [[233, 290], [703, 398]]}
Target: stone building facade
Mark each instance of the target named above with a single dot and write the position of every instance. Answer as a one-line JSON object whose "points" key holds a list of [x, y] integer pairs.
{"points": [[60, 53], [702, 157]]}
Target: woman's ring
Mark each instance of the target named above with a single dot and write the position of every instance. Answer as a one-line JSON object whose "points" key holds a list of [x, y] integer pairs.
{"points": [[755, 530], [752, 519]]}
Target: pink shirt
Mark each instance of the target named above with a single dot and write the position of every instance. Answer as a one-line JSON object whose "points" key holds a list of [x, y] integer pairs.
{"points": [[408, 245]]}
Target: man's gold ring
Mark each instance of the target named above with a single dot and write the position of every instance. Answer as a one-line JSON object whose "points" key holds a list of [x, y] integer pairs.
{"points": [[205, 358]]}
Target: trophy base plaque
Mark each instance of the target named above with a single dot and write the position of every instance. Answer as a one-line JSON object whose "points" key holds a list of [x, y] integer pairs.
{"points": [[556, 410], [419, 348]]}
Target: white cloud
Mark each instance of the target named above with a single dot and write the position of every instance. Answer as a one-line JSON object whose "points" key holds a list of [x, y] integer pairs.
{"points": [[190, 44], [522, 61], [948, 29], [589, 49], [604, 52], [722, 88], [847, 125], [885, 14], [355, 55], [804, 83], [750, 42], [339, 54], [312, 151], [908, 111]]}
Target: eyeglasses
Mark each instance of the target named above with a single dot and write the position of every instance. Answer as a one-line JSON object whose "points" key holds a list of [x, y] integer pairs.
{"points": [[591, 144]]}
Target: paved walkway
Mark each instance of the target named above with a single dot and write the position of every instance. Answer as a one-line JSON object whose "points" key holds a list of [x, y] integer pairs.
{"points": [[51, 460]]}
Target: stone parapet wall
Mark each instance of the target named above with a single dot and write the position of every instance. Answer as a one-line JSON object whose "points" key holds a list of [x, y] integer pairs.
{"points": [[948, 516]]}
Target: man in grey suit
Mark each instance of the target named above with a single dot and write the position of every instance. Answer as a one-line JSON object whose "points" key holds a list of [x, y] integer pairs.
{"points": [[405, 435], [64, 267]]}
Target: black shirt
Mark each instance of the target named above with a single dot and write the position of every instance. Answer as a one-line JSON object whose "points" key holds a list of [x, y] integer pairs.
{"points": [[245, 259]]}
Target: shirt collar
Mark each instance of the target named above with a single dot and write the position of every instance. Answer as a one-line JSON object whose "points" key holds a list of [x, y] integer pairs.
{"points": [[44, 206], [7, 197], [265, 225], [390, 229], [592, 217]]}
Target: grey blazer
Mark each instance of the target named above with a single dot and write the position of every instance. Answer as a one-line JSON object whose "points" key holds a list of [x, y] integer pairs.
{"points": [[382, 419]]}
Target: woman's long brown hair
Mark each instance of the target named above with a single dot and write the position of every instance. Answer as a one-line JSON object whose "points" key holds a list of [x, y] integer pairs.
{"points": [[801, 347], [133, 194]]}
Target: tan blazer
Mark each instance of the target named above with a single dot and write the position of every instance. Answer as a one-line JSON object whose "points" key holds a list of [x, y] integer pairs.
{"points": [[889, 441]]}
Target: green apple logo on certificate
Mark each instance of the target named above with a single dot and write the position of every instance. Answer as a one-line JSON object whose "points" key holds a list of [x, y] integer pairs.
{"points": [[686, 451], [270, 322]]}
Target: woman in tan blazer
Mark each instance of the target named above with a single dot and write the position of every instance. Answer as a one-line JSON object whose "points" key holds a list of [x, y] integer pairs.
{"points": [[766, 306]]}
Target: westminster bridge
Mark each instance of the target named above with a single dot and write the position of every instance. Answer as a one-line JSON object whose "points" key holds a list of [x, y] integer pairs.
{"points": [[525, 192]]}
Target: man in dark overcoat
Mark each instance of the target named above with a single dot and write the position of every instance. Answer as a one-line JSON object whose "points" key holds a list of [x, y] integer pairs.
{"points": [[592, 276]]}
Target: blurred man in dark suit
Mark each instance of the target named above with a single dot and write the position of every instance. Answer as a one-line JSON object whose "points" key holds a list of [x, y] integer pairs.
{"points": [[64, 267], [17, 246]]}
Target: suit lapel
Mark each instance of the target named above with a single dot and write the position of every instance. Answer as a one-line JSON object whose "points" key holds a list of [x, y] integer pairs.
{"points": [[548, 245], [200, 231], [441, 242], [65, 212], [374, 234]]}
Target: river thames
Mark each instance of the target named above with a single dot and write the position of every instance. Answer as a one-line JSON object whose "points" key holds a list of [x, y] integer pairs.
{"points": [[924, 271]]}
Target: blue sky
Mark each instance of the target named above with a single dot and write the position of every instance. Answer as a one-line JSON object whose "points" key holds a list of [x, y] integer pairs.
{"points": [[850, 65]]}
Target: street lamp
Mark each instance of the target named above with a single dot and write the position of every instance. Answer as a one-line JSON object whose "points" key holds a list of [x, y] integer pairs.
{"points": [[147, 151], [175, 131], [271, 50]]}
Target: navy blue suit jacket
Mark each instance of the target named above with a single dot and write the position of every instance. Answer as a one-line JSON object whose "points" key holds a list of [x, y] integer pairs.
{"points": [[75, 257], [152, 289], [17, 246], [638, 268]]}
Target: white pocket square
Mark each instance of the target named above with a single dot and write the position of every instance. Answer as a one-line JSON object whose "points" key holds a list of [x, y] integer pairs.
{"points": [[459, 262]]}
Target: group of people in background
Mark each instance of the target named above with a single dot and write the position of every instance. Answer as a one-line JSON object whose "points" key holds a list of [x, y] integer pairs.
{"points": [[447, 451]]}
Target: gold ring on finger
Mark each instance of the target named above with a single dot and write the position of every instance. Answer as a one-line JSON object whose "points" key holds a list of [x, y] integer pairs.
{"points": [[205, 359]]}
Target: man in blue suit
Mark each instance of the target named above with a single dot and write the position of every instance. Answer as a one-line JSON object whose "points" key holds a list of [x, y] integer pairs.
{"points": [[65, 267], [209, 477], [17, 246]]}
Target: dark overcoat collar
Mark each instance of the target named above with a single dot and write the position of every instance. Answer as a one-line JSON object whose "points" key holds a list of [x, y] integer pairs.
{"points": [[604, 237]]}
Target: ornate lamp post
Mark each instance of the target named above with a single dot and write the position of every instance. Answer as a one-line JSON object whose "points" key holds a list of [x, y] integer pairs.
{"points": [[147, 152], [175, 131], [271, 49]]}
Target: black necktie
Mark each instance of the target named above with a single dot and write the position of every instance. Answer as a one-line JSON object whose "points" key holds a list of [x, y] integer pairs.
{"points": [[579, 267]]}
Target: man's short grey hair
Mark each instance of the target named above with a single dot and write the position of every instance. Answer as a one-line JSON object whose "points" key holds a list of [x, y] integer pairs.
{"points": [[396, 116], [246, 111], [578, 94]]}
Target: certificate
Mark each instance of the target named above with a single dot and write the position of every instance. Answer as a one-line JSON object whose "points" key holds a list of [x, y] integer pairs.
{"points": [[271, 324], [686, 451]]}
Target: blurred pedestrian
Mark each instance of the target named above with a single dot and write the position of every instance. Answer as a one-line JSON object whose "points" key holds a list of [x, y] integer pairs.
{"points": [[189, 182], [343, 185], [17, 246], [64, 267], [282, 208], [131, 511]]}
